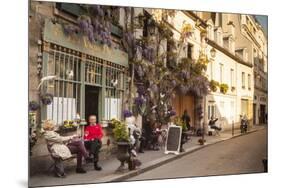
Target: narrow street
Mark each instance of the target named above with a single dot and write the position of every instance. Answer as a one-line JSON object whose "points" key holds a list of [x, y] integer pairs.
{"points": [[243, 154]]}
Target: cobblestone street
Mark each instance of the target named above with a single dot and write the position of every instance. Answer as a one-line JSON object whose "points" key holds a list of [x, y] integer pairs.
{"points": [[236, 156]]}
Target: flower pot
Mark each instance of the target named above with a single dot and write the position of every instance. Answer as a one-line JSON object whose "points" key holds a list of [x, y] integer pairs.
{"points": [[122, 154], [201, 141]]}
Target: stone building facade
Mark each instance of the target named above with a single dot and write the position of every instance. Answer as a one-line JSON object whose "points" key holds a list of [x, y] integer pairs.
{"points": [[93, 78]]}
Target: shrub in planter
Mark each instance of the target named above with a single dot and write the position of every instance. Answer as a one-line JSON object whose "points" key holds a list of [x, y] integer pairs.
{"points": [[121, 136], [214, 85], [223, 88], [120, 131]]}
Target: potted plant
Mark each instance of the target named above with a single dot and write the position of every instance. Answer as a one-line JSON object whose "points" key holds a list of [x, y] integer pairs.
{"points": [[121, 136], [223, 88], [201, 141]]}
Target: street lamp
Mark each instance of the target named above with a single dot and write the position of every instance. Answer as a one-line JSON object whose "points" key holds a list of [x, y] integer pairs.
{"points": [[213, 55]]}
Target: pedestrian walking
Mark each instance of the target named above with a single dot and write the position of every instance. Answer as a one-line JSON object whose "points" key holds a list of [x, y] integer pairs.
{"points": [[186, 119]]}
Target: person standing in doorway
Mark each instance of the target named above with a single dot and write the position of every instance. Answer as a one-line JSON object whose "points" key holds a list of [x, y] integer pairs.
{"points": [[92, 137], [186, 119]]}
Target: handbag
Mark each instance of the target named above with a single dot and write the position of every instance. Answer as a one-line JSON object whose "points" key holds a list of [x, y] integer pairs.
{"points": [[60, 151]]}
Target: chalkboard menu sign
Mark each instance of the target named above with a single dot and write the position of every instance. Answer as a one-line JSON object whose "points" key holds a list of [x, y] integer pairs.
{"points": [[173, 140]]}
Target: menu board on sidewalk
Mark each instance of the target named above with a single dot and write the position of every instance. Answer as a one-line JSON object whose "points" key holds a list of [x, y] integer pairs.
{"points": [[173, 140]]}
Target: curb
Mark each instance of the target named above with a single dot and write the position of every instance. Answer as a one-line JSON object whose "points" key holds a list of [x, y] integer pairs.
{"points": [[163, 160]]}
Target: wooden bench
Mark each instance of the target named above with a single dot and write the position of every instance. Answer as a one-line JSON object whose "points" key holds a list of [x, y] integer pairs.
{"points": [[51, 168]]}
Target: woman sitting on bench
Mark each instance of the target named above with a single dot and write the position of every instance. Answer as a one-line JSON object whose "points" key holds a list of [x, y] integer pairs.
{"points": [[62, 148]]}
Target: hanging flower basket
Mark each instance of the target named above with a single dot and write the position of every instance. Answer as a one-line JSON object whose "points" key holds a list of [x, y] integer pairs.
{"points": [[223, 88], [214, 85], [47, 98], [33, 106], [187, 30]]}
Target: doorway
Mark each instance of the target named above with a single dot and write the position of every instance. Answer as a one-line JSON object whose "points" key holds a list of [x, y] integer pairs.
{"points": [[262, 113], [254, 114], [91, 101]]}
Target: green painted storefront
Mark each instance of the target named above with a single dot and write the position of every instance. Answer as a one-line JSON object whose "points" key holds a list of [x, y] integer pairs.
{"points": [[90, 78]]}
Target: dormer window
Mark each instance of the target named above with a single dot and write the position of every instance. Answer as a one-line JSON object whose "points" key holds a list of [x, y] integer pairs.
{"points": [[228, 43], [242, 54], [210, 29], [218, 36]]}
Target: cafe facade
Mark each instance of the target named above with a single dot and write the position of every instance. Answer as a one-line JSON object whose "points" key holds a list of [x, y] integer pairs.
{"points": [[87, 78]]}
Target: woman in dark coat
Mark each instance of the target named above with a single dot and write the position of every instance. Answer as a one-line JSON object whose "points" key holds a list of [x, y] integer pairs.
{"points": [[186, 119]]}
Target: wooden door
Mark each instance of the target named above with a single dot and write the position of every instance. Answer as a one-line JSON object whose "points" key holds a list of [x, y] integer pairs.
{"points": [[180, 103]]}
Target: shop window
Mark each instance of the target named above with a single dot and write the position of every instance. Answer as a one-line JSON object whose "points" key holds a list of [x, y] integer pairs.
{"points": [[66, 65], [114, 91], [113, 104], [93, 70]]}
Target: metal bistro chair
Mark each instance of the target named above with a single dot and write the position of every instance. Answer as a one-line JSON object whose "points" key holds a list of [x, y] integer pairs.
{"points": [[162, 138], [212, 131]]}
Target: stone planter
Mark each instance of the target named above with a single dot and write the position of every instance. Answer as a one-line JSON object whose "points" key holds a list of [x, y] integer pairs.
{"points": [[122, 154]]}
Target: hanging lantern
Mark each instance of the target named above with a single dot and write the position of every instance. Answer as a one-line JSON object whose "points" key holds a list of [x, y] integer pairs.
{"points": [[213, 52]]}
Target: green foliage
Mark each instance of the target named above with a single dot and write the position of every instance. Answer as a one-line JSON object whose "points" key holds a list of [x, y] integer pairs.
{"points": [[198, 68], [120, 131], [179, 122], [203, 58], [214, 85], [223, 88]]}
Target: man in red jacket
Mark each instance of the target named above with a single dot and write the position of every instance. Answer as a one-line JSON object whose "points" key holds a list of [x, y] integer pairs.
{"points": [[92, 138]]}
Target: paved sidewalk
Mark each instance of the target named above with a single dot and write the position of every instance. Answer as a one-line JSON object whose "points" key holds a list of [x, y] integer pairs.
{"points": [[150, 160]]}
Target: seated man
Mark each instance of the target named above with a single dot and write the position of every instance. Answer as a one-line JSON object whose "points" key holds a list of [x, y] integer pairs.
{"points": [[92, 137], [212, 124], [61, 148]]}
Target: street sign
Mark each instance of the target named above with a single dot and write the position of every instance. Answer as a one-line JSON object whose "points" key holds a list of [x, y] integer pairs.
{"points": [[173, 140]]}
